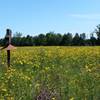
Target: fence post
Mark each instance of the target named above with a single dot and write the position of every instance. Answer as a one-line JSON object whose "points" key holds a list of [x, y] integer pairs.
{"points": [[8, 47]]}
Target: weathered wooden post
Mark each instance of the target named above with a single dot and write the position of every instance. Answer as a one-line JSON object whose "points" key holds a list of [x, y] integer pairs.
{"points": [[8, 38], [8, 45]]}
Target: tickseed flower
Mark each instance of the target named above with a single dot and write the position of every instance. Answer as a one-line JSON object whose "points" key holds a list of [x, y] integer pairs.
{"points": [[72, 98], [21, 62], [53, 98], [37, 85], [87, 68], [3, 63], [4, 90]]}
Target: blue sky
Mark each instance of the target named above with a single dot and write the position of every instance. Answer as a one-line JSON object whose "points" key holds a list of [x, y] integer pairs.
{"points": [[41, 16]]}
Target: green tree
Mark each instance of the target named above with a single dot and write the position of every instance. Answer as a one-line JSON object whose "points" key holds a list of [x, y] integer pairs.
{"points": [[76, 40], [93, 40], [16, 40], [18, 34], [82, 39], [42, 39], [97, 31], [53, 39], [67, 39], [29, 41]]}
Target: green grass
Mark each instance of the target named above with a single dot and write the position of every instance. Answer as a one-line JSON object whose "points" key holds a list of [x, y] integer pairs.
{"points": [[64, 73]]}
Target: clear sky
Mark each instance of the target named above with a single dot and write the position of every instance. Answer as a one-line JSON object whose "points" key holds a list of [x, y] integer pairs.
{"points": [[41, 16]]}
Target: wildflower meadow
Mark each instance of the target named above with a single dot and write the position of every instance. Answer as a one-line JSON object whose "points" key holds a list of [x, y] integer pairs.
{"points": [[52, 73]]}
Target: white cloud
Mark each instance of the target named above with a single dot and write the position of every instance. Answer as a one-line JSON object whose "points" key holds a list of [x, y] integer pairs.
{"points": [[86, 16]]}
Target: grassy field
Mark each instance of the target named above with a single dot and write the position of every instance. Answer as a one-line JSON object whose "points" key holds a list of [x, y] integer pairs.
{"points": [[59, 73]]}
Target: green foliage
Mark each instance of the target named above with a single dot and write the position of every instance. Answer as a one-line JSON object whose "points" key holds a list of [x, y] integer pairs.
{"points": [[55, 39], [97, 31], [67, 39], [57, 73], [76, 39]]}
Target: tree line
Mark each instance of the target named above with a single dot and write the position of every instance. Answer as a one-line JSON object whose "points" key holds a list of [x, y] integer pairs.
{"points": [[56, 39]]}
